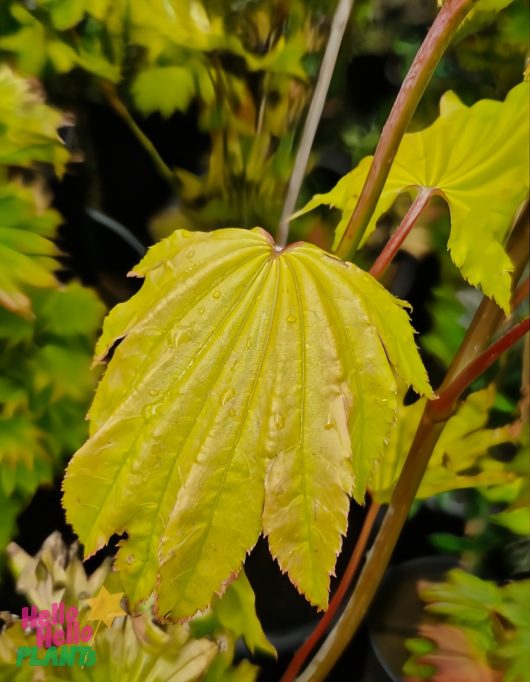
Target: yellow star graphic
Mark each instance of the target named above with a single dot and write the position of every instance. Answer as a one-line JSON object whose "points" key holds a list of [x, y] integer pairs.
{"points": [[105, 607]]}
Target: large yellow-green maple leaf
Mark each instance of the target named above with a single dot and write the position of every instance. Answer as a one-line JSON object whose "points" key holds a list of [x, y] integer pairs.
{"points": [[252, 391], [477, 159]]}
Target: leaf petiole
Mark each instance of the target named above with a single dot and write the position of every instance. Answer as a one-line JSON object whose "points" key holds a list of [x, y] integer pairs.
{"points": [[433, 48], [393, 245]]}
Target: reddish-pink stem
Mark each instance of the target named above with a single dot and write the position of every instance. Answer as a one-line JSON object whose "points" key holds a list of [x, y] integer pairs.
{"points": [[393, 245], [303, 653], [442, 408]]}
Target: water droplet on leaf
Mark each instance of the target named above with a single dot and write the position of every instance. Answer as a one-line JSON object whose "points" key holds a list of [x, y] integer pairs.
{"points": [[227, 395], [279, 421], [330, 423]]}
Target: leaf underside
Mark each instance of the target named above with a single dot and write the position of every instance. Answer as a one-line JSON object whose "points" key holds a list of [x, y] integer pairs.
{"points": [[477, 159], [252, 391]]}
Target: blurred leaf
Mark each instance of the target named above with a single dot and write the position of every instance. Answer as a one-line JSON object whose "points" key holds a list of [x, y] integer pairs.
{"points": [[133, 648], [481, 630], [461, 448], [457, 657], [26, 250], [28, 128], [516, 516], [476, 159], [166, 89], [236, 611]]}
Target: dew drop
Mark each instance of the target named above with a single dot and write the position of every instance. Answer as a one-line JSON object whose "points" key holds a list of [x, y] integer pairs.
{"points": [[190, 254], [201, 311], [150, 411], [153, 392], [216, 294], [227, 395], [249, 342], [231, 412], [279, 421], [291, 319], [179, 336], [330, 423]]}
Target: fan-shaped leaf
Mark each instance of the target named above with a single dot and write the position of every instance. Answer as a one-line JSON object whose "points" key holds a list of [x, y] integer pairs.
{"points": [[477, 159], [247, 384]]}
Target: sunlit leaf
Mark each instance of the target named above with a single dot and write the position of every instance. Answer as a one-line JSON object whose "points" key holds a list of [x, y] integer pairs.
{"points": [[460, 457], [476, 158], [257, 387]]}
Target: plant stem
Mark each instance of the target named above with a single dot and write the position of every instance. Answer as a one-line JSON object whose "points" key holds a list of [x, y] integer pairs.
{"points": [[486, 320], [442, 408], [394, 243], [435, 44], [310, 643], [520, 294], [338, 26], [119, 107]]}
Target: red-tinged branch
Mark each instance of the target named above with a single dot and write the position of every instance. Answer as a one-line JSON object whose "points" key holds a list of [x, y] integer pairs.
{"points": [[442, 408], [395, 242], [316, 635], [435, 44]]}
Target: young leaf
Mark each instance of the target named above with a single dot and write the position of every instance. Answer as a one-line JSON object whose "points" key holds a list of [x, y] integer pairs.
{"points": [[235, 611], [252, 390], [462, 448], [476, 158]]}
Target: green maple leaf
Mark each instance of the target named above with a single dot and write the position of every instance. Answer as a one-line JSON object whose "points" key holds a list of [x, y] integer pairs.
{"points": [[252, 391], [26, 250], [476, 158], [461, 448], [165, 88]]}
